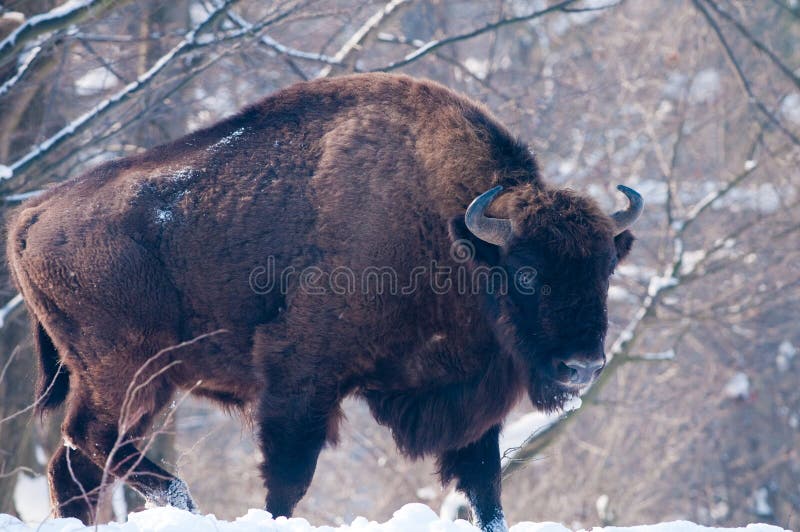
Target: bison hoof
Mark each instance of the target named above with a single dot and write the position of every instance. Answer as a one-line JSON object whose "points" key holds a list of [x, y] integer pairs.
{"points": [[497, 524], [176, 495]]}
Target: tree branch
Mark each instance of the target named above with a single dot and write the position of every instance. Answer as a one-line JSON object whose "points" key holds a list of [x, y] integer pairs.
{"points": [[755, 42], [271, 43], [70, 12], [355, 40], [8, 308], [745, 82], [433, 45], [21, 70], [76, 126]]}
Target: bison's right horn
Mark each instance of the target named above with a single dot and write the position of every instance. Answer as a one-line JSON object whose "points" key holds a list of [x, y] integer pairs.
{"points": [[625, 219], [495, 231]]}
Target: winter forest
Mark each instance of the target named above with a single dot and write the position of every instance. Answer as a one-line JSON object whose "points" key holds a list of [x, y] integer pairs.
{"points": [[694, 103]]}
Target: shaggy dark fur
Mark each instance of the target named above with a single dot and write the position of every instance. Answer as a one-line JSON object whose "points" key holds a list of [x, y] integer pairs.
{"points": [[120, 265]]}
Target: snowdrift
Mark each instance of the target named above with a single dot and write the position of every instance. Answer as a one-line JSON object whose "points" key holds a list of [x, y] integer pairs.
{"points": [[410, 518]]}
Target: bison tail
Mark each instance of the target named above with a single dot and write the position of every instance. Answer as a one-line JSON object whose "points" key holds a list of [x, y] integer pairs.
{"points": [[52, 384]]}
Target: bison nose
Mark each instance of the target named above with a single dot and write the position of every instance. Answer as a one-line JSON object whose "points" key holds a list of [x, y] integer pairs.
{"points": [[582, 371]]}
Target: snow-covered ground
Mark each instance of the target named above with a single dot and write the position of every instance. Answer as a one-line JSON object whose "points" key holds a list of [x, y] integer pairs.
{"points": [[410, 518]]}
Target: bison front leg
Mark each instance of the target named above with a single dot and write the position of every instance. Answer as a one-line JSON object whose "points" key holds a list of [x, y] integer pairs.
{"points": [[293, 429], [476, 469]]}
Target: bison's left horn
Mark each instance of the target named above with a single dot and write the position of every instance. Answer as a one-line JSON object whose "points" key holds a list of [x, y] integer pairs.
{"points": [[625, 219], [495, 231]]}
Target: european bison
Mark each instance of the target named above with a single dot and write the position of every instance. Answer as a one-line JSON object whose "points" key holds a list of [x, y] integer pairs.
{"points": [[316, 245]]}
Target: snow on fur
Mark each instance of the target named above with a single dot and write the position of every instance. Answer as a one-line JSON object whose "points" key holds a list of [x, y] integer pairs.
{"points": [[410, 518]]}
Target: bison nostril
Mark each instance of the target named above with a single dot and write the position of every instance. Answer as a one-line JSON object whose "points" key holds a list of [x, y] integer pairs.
{"points": [[583, 371]]}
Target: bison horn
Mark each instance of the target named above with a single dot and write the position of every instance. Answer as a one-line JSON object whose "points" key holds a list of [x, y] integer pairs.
{"points": [[495, 231], [625, 219]]}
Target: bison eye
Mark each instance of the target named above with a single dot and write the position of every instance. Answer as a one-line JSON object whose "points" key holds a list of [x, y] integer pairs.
{"points": [[525, 280]]}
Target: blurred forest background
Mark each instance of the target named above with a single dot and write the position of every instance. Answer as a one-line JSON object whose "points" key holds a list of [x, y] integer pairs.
{"points": [[696, 103]]}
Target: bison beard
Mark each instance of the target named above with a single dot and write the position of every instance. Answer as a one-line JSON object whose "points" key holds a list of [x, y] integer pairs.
{"points": [[138, 279]]}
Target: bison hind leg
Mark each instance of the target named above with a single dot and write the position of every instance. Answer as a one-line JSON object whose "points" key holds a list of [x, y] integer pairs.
{"points": [[93, 429], [75, 483]]}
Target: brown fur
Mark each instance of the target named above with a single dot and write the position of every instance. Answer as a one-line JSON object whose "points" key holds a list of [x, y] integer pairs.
{"points": [[143, 253]]}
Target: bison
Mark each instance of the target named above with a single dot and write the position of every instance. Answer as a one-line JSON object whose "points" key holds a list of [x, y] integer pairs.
{"points": [[373, 236]]}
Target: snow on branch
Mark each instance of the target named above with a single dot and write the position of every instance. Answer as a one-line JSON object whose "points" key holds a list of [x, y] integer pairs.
{"points": [[70, 12], [189, 42], [269, 42], [436, 44], [355, 40], [8, 308], [23, 68]]}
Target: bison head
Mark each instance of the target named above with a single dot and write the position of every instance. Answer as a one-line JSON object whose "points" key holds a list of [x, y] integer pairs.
{"points": [[558, 250]]}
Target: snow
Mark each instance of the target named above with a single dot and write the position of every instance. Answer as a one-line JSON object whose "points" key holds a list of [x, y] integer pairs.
{"points": [[786, 352], [8, 307], [515, 434], [477, 67], [57, 12], [96, 80], [654, 190], [22, 196], [658, 283], [230, 139], [738, 387], [428, 493], [669, 354], [790, 107], [31, 498], [452, 505], [762, 507], [690, 260], [410, 518], [184, 174], [617, 293], [603, 511], [705, 86], [13, 16], [675, 85], [163, 216], [22, 66], [118, 503]]}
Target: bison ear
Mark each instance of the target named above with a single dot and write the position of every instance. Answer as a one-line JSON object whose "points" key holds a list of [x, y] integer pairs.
{"points": [[466, 246], [623, 243]]}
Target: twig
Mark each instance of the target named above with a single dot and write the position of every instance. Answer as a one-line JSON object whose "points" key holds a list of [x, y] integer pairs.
{"points": [[84, 496], [755, 42], [433, 45], [36, 402], [21, 70], [745, 82], [8, 362], [355, 40], [119, 127], [58, 17], [589, 9], [76, 126], [271, 43], [102, 60]]}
